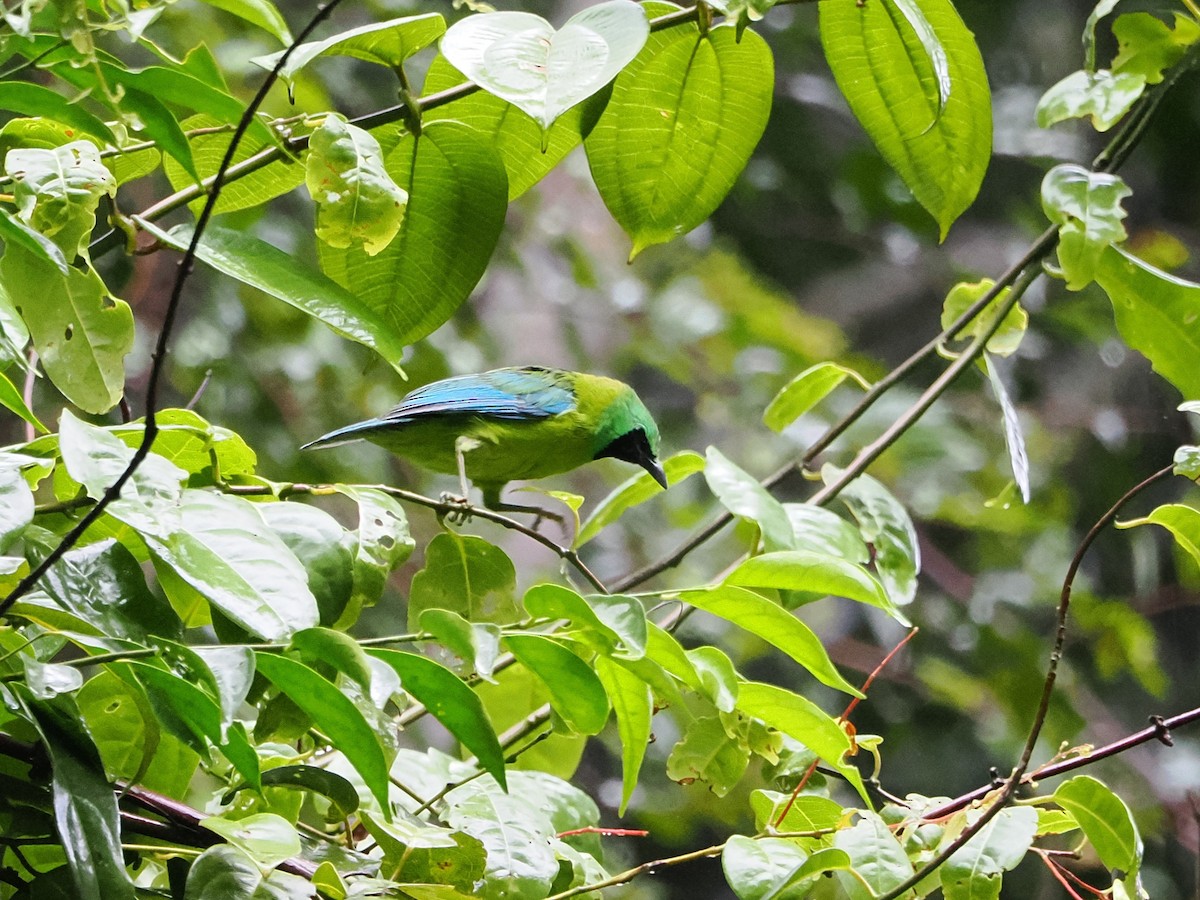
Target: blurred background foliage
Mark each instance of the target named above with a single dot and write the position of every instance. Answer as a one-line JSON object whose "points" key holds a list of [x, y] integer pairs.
{"points": [[819, 253]]}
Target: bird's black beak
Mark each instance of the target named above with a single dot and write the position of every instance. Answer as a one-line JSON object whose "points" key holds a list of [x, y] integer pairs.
{"points": [[654, 467], [634, 447]]}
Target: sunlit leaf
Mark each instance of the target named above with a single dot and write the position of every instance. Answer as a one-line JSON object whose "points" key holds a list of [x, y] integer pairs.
{"points": [[1088, 207], [1008, 335], [576, 694], [887, 526], [387, 43], [633, 705], [1106, 821], [1148, 46], [1103, 96], [744, 496], [805, 391], [467, 575], [975, 870], [636, 490]]}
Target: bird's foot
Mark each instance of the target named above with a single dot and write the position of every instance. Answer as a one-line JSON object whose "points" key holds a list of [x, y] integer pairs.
{"points": [[460, 509]]}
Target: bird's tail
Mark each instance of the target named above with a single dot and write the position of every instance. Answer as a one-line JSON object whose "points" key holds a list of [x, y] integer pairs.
{"points": [[343, 435]]}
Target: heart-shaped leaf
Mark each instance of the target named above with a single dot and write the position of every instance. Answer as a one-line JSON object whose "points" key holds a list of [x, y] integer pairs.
{"points": [[520, 58]]}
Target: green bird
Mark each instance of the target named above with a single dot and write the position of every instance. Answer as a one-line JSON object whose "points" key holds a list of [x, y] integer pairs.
{"points": [[513, 424]]}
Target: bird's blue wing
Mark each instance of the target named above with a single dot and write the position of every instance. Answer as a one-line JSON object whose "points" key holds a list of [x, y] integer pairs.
{"points": [[512, 394]]}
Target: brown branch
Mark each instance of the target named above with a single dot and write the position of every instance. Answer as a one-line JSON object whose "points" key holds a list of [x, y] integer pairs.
{"points": [[1009, 788]]}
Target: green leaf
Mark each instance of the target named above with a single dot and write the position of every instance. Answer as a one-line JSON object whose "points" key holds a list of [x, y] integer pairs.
{"points": [[323, 646], [520, 57], [343, 798], [803, 720], [576, 694], [80, 331], [974, 871], [195, 718], [619, 621], [1182, 521], [1008, 336], [876, 855], [716, 677], [387, 44], [14, 231], [635, 491], [335, 715], [274, 272], [34, 100], [48, 680], [1014, 438], [695, 107], [266, 838], [358, 204], [221, 546], [526, 152], [937, 140], [1099, 11], [819, 530], [743, 496], [467, 575], [1106, 821], [1102, 95], [633, 705], [818, 573], [261, 13], [1148, 46], [1187, 461], [416, 852], [663, 649], [103, 584], [57, 190], [516, 830], [16, 505], [1156, 315], [476, 643], [886, 525], [451, 702], [773, 624], [805, 391], [384, 543], [1088, 207], [458, 195], [85, 807], [208, 151], [221, 872], [707, 754], [160, 126], [323, 547], [763, 868], [806, 812]]}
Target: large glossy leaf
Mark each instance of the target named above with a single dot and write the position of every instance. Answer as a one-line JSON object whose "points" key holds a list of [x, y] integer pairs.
{"points": [[85, 807], [16, 505], [451, 702], [761, 869], [57, 189], [773, 624], [527, 153], [323, 547], [466, 575], [334, 714], [939, 141], [576, 694], [274, 272], [680, 126], [633, 704], [805, 391], [81, 332], [1157, 316], [458, 195], [878, 859], [521, 58], [266, 838], [257, 12], [221, 546], [803, 720]]}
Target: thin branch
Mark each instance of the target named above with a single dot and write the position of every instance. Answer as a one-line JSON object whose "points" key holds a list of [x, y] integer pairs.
{"points": [[158, 359], [630, 874], [1009, 788]]}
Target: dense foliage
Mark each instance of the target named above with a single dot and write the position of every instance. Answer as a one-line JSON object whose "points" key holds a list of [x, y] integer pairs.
{"points": [[219, 683]]}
